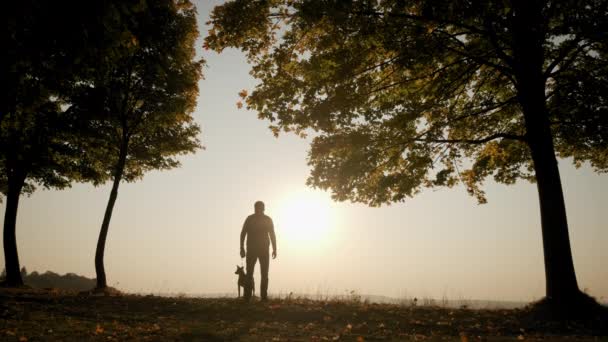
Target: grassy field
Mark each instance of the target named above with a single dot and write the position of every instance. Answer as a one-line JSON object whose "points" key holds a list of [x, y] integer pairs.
{"points": [[35, 315]]}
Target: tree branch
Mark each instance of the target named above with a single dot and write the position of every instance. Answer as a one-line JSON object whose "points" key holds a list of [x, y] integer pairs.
{"points": [[566, 62], [477, 141], [483, 61], [413, 79], [562, 55], [496, 44]]}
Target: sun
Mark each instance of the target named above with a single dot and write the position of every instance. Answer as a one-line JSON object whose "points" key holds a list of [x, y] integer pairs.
{"points": [[304, 218]]}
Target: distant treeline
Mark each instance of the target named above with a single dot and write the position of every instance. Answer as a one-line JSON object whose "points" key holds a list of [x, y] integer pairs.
{"points": [[48, 279]]}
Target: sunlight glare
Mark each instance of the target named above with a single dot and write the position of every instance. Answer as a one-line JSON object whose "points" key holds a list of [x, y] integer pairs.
{"points": [[305, 218]]}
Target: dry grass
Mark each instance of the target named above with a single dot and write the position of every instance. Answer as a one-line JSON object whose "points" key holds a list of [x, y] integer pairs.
{"points": [[35, 315]]}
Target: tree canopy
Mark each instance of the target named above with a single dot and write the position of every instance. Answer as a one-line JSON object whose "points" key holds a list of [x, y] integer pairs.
{"points": [[46, 45], [143, 93], [405, 95]]}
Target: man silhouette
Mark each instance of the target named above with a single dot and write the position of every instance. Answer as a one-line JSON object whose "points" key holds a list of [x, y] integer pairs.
{"points": [[259, 230]]}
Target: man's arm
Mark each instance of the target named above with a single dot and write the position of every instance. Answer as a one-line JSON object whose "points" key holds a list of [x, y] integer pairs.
{"points": [[243, 234], [273, 239]]}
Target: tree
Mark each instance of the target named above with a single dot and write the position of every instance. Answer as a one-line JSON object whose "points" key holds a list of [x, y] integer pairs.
{"points": [[137, 105], [406, 95], [32, 153], [45, 42]]}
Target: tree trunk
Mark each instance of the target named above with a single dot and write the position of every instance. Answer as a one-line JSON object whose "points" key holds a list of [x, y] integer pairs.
{"points": [[11, 257], [561, 284], [103, 233]]}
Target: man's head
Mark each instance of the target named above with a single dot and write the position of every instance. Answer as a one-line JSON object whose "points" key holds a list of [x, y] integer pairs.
{"points": [[259, 207]]}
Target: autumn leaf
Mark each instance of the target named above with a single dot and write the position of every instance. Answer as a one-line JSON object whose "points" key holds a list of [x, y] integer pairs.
{"points": [[243, 93], [239, 104], [98, 330]]}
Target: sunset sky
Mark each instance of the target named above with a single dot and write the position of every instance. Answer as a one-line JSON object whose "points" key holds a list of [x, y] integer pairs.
{"points": [[178, 231]]}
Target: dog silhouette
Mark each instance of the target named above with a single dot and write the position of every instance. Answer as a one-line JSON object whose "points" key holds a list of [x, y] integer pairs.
{"points": [[244, 281]]}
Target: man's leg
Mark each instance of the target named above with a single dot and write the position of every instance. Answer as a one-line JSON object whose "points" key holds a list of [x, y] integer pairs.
{"points": [[264, 265], [251, 259]]}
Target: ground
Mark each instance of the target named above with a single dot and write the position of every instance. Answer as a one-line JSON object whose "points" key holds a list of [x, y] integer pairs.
{"points": [[50, 315]]}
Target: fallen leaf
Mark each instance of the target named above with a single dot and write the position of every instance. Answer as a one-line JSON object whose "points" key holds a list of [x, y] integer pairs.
{"points": [[98, 330]]}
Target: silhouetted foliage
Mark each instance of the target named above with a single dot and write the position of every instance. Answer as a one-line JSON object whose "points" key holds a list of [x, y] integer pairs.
{"points": [[68, 281], [406, 95], [45, 48], [136, 106], [48, 279]]}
